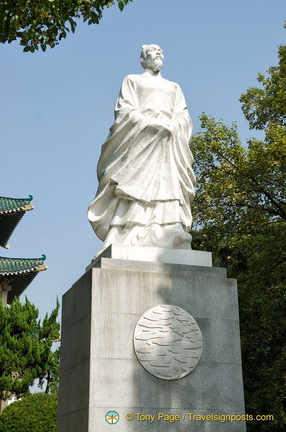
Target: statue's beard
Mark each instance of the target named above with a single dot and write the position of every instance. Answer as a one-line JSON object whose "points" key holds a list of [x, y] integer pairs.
{"points": [[156, 64]]}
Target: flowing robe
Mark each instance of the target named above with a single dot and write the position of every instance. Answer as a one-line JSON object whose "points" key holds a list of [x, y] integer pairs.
{"points": [[145, 171]]}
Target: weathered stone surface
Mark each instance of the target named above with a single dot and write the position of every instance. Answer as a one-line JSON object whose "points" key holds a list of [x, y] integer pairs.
{"points": [[99, 368], [157, 255]]}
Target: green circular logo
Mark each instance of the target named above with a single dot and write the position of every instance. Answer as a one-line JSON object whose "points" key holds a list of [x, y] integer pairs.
{"points": [[112, 417]]}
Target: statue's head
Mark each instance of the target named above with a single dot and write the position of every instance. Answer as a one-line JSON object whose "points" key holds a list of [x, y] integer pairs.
{"points": [[151, 57]]}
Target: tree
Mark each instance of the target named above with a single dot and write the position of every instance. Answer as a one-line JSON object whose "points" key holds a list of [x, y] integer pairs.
{"points": [[42, 23], [25, 348], [240, 215], [239, 188], [35, 413], [267, 105]]}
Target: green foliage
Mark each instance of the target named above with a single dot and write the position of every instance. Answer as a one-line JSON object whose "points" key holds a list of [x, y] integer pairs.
{"points": [[35, 413], [240, 215], [262, 106], [239, 188], [25, 348], [42, 23]]}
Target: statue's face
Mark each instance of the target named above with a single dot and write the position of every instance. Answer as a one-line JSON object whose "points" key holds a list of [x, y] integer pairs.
{"points": [[153, 57], [154, 52]]}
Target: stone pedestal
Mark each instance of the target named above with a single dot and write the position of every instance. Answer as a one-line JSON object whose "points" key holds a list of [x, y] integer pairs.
{"points": [[100, 371]]}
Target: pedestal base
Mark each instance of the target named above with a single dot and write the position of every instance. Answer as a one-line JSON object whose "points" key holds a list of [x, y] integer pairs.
{"points": [[100, 371], [152, 254]]}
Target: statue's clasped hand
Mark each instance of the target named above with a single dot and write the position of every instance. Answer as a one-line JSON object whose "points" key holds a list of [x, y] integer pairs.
{"points": [[160, 125]]}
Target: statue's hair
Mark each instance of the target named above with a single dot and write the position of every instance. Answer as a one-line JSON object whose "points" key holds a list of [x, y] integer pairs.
{"points": [[143, 54]]}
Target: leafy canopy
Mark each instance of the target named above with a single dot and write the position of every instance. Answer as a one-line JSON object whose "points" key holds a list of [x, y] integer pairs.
{"points": [[25, 348], [240, 215], [35, 413], [42, 23], [266, 105], [238, 188]]}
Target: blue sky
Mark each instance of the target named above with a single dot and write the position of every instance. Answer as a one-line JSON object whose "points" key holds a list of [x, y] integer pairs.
{"points": [[56, 109]]}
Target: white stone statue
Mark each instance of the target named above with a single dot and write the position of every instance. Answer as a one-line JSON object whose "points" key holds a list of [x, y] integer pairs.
{"points": [[146, 181]]}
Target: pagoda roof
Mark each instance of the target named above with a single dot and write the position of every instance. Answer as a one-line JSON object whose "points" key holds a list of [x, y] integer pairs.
{"points": [[19, 273], [11, 212]]}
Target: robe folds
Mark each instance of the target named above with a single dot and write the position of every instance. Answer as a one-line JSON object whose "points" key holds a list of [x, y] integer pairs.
{"points": [[145, 171]]}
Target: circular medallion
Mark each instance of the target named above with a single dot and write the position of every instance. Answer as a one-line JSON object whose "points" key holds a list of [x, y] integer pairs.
{"points": [[168, 342]]}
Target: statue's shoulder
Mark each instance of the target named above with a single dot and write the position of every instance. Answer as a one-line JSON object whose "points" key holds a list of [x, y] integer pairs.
{"points": [[130, 81], [132, 77], [174, 84]]}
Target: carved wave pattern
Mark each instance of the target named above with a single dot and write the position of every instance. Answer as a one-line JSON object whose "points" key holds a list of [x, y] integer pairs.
{"points": [[168, 342]]}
